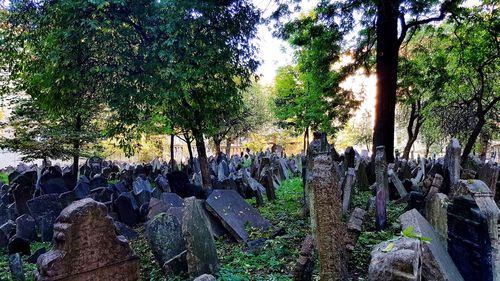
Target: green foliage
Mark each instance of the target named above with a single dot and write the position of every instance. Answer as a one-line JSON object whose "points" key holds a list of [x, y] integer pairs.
{"points": [[370, 237], [28, 268], [308, 94], [275, 259]]}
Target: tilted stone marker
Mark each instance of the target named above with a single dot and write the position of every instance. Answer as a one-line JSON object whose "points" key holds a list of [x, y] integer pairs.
{"points": [[86, 247], [326, 208], [347, 188], [354, 228], [437, 215], [164, 234], [436, 262], [234, 213], [201, 252], [305, 264], [397, 183]]}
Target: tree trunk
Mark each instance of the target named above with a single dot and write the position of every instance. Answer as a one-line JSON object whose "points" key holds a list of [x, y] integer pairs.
{"points": [[190, 150], [472, 138], [172, 156], [485, 142], [387, 64], [306, 139], [202, 158], [412, 130], [228, 147], [427, 149], [218, 151], [76, 147]]}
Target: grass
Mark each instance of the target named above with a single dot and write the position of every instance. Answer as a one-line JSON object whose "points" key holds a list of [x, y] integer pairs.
{"points": [[369, 237], [4, 178], [28, 268]]}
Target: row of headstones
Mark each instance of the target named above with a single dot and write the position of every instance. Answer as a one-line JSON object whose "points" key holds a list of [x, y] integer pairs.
{"points": [[463, 223], [326, 191]]}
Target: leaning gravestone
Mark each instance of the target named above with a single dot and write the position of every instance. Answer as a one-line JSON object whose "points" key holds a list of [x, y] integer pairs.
{"points": [[401, 263], [234, 213], [164, 235], [201, 252], [436, 262], [45, 210], [86, 247]]}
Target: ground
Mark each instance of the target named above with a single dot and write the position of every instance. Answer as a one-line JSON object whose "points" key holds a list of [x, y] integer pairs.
{"points": [[276, 258]]}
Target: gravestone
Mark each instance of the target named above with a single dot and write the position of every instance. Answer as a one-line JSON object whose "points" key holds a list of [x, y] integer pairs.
{"points": [[319, 145], [97, 182], [382, 195], [45, 209], [469, 243], [22, 193], [401, 263], [139, 185], [326, 218], [164, 235], [437, 215], [304, 267], [354, 228], [234, 213], [201, 252], [25, 227], [436, 262], [16, 267], [488, 173], [397, 183], [347, 189], [162, 183], [86, 247], [82, 188], [452, 164], [125, 209]]}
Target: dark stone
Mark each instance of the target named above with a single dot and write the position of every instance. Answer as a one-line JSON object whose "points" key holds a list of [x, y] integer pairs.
{"points": [[164, 234], [126, 231], [143, 212], [82, 188], [468, 240], [19, 245], [45, 210], [162, 183], [52, 182], [34, 257], [201, 252], [98, 181], [125, 209], [234, 213], [69, 180], [67, 197], [143, 197], [140, 185], [26, 227], [22, 193], [16, 267], [6, 231]]}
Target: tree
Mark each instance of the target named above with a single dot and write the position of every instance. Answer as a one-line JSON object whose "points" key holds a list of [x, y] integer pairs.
{"points": [[309, 95], [470, 45], [204, 60], [76, 60], [380, 20]]}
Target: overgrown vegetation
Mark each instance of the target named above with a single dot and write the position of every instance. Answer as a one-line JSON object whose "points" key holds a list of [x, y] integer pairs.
{"points": [[28, 268], [360, 259]]}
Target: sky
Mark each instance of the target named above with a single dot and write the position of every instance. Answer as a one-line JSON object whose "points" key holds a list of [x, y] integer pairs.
{"points": [[273, 52]]}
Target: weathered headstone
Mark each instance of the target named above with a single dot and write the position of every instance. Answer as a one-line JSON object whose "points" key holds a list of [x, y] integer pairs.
{"points": [[354, 228], [234, 213], [164, 234], [125, 209], [319, 145], [436, 213], [452, 164], [436, 262], [86, 247], [328, 229], [305, 264], [25, 227], [201, 252], [397, 183], [401, 263], [45, 210], [347, 189], [22, 193], [16, 267]]}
